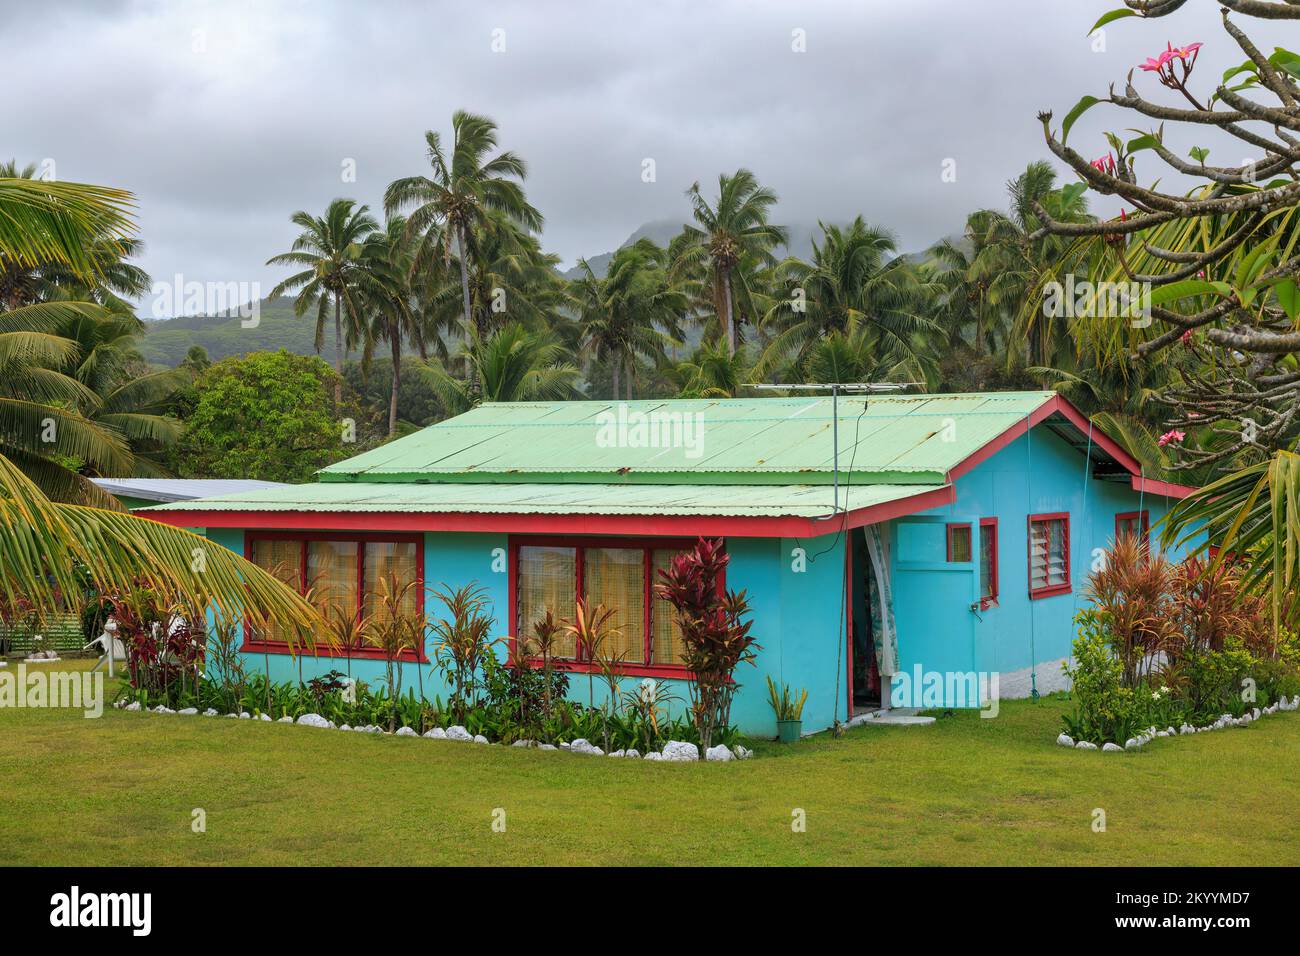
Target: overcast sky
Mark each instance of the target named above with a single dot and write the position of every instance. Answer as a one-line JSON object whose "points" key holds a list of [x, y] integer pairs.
{"points": [[224, 118]]}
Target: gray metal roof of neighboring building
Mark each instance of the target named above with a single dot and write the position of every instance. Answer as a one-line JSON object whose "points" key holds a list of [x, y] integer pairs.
{"points": [[181, 489]]}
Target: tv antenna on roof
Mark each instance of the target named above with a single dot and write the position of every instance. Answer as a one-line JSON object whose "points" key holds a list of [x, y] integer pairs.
{"points": [[851, 388]]}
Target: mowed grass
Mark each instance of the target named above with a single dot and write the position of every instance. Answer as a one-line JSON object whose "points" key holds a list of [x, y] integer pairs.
{"points": [[121, 790]]}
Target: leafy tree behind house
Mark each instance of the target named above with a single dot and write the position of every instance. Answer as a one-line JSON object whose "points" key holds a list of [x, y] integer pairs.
{"points": [[268, 416]]}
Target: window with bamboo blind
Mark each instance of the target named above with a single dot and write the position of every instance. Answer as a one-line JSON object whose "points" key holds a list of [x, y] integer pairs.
{"points": [[548, 582], [615, 577], [988, 561], [394, 562], [332, 573], [338, 571], [1049, 555], [621, 576], [284, 560], [959, 543]]}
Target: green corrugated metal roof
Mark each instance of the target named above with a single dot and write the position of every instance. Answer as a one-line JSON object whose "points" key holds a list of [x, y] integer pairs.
{"points": [[891, 439], [774, 501]]}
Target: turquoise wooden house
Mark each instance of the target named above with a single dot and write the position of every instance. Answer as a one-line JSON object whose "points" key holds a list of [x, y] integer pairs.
{"points": [[938, 562]]}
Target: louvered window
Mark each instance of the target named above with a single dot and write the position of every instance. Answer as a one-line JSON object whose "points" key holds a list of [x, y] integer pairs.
{"points": [[1049, 555]]}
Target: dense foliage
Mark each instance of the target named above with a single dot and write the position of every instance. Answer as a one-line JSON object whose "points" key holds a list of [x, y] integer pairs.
{"points": [[52, 553], [1164, 645], [267, 415]]}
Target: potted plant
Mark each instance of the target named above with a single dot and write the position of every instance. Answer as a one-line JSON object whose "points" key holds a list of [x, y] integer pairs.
{"points": [[789, 711]]}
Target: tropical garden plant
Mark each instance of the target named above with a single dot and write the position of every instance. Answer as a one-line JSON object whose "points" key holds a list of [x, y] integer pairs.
{"points": [[714, 635], [462, 641], [786, 705]]}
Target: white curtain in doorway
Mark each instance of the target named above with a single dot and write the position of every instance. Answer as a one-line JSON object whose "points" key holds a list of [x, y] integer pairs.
{"points": [[882, 602]]}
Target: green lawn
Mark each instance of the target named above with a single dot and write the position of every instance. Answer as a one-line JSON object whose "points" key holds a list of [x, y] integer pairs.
{"points": [[120, 790]]}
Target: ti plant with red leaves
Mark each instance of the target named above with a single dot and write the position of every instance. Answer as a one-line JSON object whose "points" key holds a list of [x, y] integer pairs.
{"points": [[164, 649], [715, 639]]}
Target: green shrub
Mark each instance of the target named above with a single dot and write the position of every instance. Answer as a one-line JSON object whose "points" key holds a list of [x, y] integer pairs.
{"points": [[1105, 710]]}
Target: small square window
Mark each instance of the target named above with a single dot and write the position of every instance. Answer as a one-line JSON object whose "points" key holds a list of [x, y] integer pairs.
{"points": [[959, 543], [1135, 524]]}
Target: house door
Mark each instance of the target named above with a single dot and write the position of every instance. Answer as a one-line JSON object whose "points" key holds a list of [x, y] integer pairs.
{"points": [[936, 609]]}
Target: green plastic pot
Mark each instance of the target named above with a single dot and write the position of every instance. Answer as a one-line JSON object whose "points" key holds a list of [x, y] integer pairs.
{"points": [[788, 731]]}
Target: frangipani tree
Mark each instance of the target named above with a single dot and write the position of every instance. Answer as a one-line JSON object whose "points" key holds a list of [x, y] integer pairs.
{"points": [[1218, 262], [1217, 267]]}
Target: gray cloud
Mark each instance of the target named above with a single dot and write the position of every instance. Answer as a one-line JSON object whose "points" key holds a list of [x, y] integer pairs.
{"points": [[226, 117]]}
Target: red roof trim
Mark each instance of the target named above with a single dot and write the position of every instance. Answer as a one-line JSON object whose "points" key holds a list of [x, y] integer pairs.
{"points": [[638, 525], [1054, 405], [1161, 489]]}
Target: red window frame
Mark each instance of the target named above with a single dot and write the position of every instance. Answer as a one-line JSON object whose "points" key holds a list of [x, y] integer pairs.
{"points": [[253, 646], [1048, 590], [989, 526], [1145, 517], [579, 544], [970, 538]]}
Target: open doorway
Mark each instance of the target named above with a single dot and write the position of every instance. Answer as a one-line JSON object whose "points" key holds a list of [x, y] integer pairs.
{"points": [[866, 672]]}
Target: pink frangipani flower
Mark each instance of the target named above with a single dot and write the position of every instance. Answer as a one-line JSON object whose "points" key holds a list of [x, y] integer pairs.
{"points": [[1171, 436], [1155, 64], [1104, 164], [1164, 63]]}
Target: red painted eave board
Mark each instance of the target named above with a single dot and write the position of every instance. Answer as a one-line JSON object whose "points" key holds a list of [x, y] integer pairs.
{"points": [[1053, 406], [639, 525], [1161, 489]]}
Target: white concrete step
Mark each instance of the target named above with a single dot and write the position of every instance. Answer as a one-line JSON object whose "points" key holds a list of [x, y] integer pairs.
{"points": [[898, 717]]}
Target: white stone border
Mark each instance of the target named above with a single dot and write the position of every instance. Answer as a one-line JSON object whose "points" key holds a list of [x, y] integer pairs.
{"points": [[674, 751], [1151, 733]]}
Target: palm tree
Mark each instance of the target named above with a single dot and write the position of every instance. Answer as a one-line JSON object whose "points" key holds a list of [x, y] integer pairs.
{"points": [[855, 281], [1252, 518], [1122, 399], [510, 280], [127, 398], [712, 372], [329, 252], [450, 206], [732, 239], [42, 428], [619, 313], [44, 546], [961, 294], [512, 365], [390, 303], [857, 357], [61, 223], [1013, 265], [43, 280]]}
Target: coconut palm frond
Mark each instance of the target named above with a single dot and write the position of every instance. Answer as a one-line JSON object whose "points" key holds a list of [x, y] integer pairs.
{"points": [[43, 543], [1252, 517]]}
